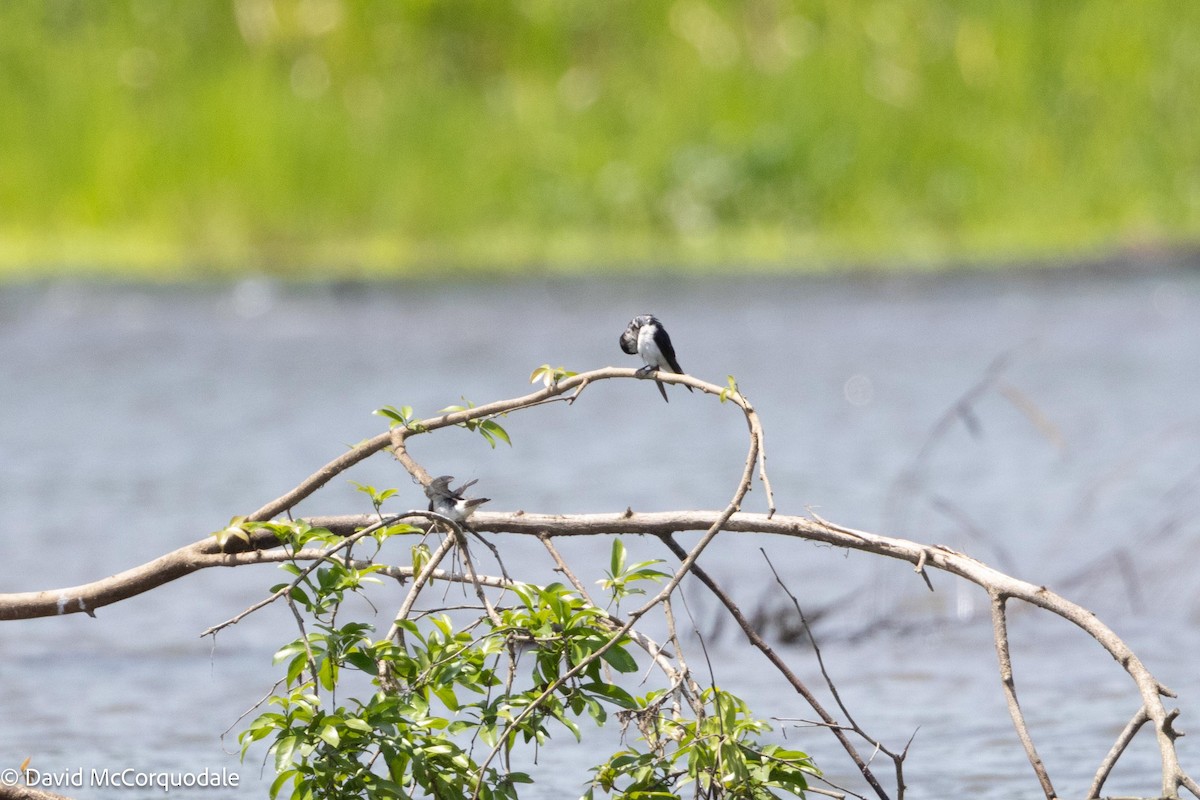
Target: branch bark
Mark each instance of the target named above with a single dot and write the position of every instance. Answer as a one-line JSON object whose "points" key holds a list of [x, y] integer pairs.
{"points": [[1000, 634]]}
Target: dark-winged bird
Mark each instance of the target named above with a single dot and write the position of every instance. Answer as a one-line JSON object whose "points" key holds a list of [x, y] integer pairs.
{"points": [[451, 502], [647, 338]]}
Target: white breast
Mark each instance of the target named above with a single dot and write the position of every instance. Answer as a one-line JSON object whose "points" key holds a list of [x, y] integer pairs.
{"points": [[647, 349]]}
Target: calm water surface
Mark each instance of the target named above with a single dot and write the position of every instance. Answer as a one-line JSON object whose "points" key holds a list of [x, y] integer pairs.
{"points": [[134, 421]]}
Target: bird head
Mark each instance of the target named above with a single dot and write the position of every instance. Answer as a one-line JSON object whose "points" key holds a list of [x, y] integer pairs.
{"points": [[630, 337]]}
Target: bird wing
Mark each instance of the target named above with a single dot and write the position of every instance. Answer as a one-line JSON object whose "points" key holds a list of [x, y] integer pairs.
{"points": [[663, 342]]}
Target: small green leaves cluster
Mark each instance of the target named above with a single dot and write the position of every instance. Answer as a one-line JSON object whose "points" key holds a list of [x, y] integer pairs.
{"points": [[242, 529], [549, 375], [565, 631], [378, 496], [489, 429], [441, 698], [731, 388], [238, 530], [402, 417], [715, 754], [445, 706], [622, 579]]}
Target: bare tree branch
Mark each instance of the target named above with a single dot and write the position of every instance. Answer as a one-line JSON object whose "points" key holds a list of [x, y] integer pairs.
{"points": [[1110, 761], [262, 546], [897, 758], [1000, 634]]}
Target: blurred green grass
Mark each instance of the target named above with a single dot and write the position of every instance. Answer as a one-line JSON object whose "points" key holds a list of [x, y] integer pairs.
{"points": [[176, 138]]}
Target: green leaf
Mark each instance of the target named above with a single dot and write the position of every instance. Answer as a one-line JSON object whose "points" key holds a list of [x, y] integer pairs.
{"points": [[287, 651], [447, 696], [236, 529], [620, 660], [550, 375], [616, 563], [572, 727], [730, 389], [329, 734], [296, 668], [597, 712], [395, 415], [327, 673], [284, 748], [637, 574], [357, 724], [491, 428], [420, 557], [377, 497], [612, 692], [280, 780], [363, 662]]}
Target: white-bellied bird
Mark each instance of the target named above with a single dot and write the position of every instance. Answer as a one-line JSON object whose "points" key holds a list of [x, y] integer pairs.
{"points": [[647, 338], [449, 502]]}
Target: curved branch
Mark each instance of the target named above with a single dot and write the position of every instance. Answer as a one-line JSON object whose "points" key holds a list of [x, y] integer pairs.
{"points": [[208, 552], [88, 597], [396, 436]]}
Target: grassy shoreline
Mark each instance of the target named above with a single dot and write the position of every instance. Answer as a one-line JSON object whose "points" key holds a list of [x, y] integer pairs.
{"points": [[180, 139]]}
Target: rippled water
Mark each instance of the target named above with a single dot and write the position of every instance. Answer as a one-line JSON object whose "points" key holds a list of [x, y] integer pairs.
{"points": [[136, 420]]}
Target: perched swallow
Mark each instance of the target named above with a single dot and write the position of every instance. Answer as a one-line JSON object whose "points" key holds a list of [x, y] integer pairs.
{"points": [[451, 502], [646, 337]]}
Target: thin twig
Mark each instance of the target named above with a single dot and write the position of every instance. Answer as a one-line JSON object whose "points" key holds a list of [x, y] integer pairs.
{"points": [[780, 665], [1000, 634], [1135, 724], [897, 758], [312, 660], [561, 566], [435, 558]]}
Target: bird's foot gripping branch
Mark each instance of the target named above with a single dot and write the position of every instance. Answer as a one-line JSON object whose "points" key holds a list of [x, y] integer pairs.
{"points": [[453, 699]]}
